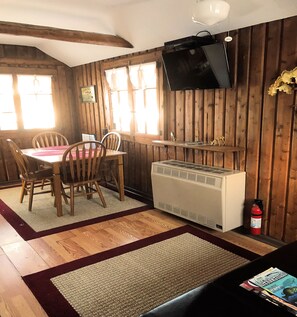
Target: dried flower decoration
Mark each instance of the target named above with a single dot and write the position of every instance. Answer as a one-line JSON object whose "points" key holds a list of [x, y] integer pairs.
{"points": [[218, 141], [286, 82]]}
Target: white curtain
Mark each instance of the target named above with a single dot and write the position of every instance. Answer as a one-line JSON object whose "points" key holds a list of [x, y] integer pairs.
{"points": [[117, 78], [143, 76]]}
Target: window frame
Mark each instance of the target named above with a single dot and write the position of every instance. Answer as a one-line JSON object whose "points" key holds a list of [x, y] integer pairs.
{"points": [[126, 62], [14, 71]]}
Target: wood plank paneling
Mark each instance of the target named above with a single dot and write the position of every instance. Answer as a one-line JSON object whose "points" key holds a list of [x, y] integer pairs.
{"points": [[180, 122], [189, 126], [268, 118], [291, 214], [253, 133], [219, 122], [209, 117], [282, 137], [92, 115], [199, 122], [244, 47], [244, 114]]}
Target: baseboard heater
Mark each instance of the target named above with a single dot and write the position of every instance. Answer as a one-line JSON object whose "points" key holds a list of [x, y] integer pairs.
{"points": [[207, 195]]}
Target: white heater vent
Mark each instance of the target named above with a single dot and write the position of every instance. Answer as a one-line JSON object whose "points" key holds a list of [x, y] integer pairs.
{"points": [[207, 195], [190, 176]]}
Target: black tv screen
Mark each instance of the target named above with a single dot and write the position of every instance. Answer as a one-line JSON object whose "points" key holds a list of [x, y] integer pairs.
{"points": [[202, 67]]}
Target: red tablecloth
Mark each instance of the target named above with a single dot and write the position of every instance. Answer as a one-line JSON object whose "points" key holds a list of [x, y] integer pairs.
{"points": [[52, 150]]}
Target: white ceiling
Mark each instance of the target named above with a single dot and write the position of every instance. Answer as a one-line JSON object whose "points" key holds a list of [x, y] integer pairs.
{"points": [[145, 24]]}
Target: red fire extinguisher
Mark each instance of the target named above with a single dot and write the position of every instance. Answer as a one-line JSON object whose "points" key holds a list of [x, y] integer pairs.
{"points": [[256, 220]]}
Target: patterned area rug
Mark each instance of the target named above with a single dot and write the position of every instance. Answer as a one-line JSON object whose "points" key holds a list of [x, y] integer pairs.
{"points": [[129, 280], [42, 220]]}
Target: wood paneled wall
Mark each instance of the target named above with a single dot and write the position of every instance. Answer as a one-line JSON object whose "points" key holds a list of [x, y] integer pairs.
{"points": [[32, 60], [245, 115], [92, 115]]}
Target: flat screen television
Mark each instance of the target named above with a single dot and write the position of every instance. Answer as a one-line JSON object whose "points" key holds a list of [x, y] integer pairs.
{"points": [[197, 67]]}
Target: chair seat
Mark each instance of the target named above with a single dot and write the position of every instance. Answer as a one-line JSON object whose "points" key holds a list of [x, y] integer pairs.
{"points": [[74, 179], [46, 172], [77, 182]]}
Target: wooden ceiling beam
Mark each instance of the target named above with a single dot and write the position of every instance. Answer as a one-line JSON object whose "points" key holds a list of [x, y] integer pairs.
{"points": [[51, 33]]}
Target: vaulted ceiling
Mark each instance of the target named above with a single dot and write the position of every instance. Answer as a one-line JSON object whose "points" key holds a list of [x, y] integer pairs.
{"points": [[145, 24]]}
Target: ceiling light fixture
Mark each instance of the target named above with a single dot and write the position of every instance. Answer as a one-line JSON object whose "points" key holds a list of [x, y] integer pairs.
{"points": [[210, 12], [228, 38]]}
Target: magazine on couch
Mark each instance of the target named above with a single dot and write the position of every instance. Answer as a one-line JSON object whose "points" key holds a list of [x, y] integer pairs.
{"points": [[276, 286]]}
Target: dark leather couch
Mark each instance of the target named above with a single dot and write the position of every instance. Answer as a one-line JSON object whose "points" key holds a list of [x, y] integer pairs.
{"points": [[206, 301], [177, 306], [225, 298]]}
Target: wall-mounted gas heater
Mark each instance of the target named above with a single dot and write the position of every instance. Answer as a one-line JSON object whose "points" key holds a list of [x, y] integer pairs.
{"points": [[210, 196]]}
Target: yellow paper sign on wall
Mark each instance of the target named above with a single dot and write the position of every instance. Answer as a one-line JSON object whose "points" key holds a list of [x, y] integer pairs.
{"points": [[88, 94]]}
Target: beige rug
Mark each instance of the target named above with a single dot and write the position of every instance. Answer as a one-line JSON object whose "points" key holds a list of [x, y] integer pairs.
{"points": [[43, 215], [134, 282]]}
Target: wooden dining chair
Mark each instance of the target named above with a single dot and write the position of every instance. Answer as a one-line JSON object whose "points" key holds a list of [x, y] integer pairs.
{"points": [[49, 138], [112, 141], [31, 177], [80, 167]]}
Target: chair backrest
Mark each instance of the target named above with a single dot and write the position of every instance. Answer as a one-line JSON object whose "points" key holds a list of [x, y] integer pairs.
{"points": [[112, 141], [49, 138], [23, 164], [81, 162]]}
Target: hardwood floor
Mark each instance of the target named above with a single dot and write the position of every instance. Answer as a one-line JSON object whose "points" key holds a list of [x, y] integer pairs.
{"points": [[19, 258]]}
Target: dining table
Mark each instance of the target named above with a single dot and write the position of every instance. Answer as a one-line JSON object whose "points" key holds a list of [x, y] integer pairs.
{"points": [[52, 156]]}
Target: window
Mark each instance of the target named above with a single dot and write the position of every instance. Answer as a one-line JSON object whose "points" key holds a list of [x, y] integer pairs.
{"points": [[144, 86], [26, 102], [8, 119], [118, 83], [133, 98]]}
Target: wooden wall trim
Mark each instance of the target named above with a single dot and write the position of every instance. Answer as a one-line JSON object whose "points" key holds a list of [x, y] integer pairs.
{"points": [[25, 61]]}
